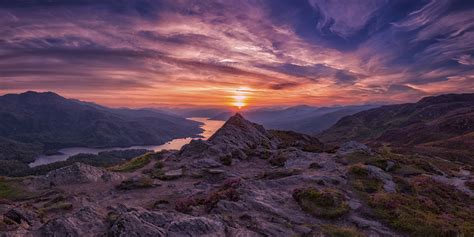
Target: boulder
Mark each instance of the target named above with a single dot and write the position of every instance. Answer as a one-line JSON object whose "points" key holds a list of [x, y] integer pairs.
{"points": [[77, 173], [85, 222], [353, 146]]}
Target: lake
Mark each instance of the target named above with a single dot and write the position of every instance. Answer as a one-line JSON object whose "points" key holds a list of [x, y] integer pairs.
{"points": [[209, 127]]}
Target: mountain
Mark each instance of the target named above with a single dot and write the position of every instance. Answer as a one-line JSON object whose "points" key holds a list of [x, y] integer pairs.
{"points": [[53, 122], [246, 181], [301, 118], [439, 122]]}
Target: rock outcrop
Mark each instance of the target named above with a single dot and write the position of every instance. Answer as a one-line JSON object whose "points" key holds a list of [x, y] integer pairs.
{"points": [[77, 173]]}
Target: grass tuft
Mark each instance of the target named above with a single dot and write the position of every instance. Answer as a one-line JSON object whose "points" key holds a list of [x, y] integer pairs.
{"points": [[327, 203]]}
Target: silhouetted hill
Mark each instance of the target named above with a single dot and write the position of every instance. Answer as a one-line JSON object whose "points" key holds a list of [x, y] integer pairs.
{"points": [[440, 121], [55, 122]]}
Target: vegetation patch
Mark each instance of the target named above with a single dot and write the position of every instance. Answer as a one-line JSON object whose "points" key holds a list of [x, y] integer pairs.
{"points": [[135, 163], [361, 180], [136, 183], [340, 231], [326, 203], [433, 210], [13, 190], [228, 191]]}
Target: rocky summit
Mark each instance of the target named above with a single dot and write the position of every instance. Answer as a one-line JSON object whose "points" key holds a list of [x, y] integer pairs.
{"points": [[247, 181]]}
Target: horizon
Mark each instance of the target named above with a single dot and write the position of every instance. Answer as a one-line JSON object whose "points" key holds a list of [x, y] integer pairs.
{"points": [[247, 54]]}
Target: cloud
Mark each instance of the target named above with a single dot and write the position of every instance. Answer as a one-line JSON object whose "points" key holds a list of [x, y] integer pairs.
{"points": [[465, 59], [287, 52], [345, 18]]}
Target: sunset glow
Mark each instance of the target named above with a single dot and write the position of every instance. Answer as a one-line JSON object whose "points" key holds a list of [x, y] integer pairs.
{"points": [[174, 53], [240, 97]]}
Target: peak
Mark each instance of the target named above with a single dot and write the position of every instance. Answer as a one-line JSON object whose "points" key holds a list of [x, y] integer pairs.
{"points": [[237, 116], [447, 98], [33, 93], [239, 129]]}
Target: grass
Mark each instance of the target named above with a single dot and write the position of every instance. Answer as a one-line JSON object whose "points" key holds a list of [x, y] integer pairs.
{"points": [[340, 231], [433, 209], [360, 179], [134, 164], [12, 190], [326, 203]]}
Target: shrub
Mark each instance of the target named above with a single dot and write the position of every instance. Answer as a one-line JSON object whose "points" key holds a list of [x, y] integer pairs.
{"points": [[327, 203]]}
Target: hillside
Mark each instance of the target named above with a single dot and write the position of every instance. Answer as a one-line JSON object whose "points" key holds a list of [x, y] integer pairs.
{"points": [[50, 121], [438, 122], [246, 181]]}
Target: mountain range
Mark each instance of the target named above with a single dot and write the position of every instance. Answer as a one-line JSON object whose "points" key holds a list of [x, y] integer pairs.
{"points": [[47, 121], [300, 118]]}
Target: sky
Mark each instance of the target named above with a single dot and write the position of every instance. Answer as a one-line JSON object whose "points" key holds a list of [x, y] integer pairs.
{"points": [[141, 53]]}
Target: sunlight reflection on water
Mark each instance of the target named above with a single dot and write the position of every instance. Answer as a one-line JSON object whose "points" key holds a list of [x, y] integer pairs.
{"points": [[209, 127]]}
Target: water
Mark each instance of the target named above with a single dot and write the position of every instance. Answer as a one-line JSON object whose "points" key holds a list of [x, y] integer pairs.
{"points": [[209, 127]]}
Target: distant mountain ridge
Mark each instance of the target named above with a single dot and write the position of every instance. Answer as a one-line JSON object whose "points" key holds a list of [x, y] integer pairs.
{"points": [[302, 118], [438, 122], [55, 122]]}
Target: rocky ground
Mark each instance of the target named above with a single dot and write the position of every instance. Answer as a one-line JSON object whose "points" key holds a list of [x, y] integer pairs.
{"points": [[246, 181]]}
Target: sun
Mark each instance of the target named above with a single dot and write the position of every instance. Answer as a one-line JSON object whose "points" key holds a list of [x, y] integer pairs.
{"points": [[240, 97]]}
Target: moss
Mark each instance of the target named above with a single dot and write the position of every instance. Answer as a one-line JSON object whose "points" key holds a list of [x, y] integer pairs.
{"points": [[134, 164], [340, 231], [327, 203], [433, 209], [362, 181]]}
